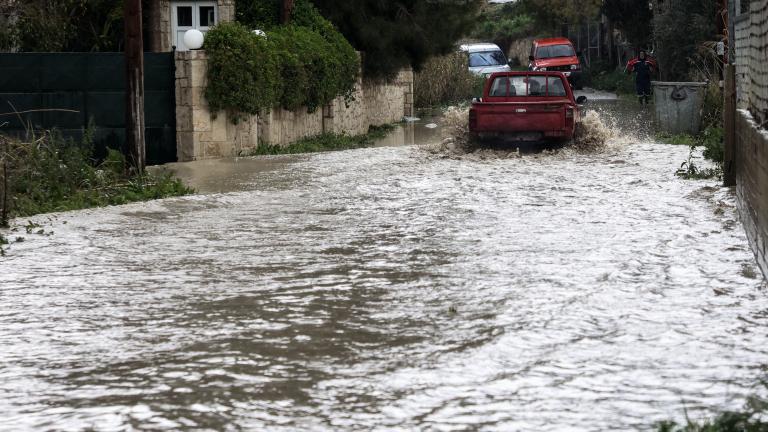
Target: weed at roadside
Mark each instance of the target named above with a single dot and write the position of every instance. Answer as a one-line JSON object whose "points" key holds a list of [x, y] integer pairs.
{"points": [[325, 142], [445, 81], [50, 173]]}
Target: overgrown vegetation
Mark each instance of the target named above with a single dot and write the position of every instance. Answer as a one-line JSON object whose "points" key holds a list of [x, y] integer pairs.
{"points": [[326, 142], [750, 419], [307, 63], [602, 76], [679, 33], [49, 173], [711, 138], [62, 25], [446, 80]]}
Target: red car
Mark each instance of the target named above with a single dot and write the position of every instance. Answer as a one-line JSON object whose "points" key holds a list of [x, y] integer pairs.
{"points": [[526, 106], [556, 54]]}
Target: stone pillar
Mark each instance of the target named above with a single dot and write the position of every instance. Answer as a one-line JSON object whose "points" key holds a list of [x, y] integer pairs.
{"points": [[201, 134], [406, 80], [159, 31], [226, 10]]}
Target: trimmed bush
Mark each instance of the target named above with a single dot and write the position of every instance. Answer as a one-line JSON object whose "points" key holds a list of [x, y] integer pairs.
{"points": [[243, 70], [307, 63]]}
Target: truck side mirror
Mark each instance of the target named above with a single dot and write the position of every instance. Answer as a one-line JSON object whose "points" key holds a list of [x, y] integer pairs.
{"points": [[581, 100], [531, 58]]}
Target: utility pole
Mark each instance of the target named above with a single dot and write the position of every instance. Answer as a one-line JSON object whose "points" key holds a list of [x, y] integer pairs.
{"points": [[285, 12], [134, 86]]}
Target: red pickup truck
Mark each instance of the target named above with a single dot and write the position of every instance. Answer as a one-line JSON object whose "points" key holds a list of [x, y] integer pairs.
{"points": [[525, 106]]}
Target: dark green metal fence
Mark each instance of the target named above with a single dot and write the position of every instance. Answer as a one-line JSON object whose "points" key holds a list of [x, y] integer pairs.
{"points": [[92, 87]]}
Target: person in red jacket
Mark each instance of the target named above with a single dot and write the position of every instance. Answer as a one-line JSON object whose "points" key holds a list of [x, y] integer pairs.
{"points": [[642, 67]]}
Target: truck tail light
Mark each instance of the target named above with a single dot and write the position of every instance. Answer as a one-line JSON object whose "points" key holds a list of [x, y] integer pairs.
{"points": [[569, 113], [472, 120]]}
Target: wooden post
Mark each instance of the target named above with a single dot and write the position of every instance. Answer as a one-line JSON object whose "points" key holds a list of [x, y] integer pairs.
{"points": [[729, 123], [134, 86]]}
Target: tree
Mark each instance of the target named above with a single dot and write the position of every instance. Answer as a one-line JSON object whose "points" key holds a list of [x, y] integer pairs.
{"points": [[503, 25], [553, 13], [678, 34], [633, 18], [397, 33]]}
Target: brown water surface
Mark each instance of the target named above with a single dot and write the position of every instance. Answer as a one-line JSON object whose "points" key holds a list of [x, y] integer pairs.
{"points": [[390, 288]]}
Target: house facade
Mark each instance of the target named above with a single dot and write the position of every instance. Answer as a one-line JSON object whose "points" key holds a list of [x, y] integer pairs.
{"points": [[169, 19]]}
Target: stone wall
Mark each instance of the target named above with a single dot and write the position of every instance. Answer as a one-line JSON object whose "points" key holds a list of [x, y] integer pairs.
{"points": [[746, 137], [202, 135], [751, 43], [159, 26], [199, 133], [751, 170], [387, 102]]}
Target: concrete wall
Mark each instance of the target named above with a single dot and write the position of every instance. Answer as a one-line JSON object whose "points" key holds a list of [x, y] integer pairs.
{"points": [[751, 170], [203, 135]]}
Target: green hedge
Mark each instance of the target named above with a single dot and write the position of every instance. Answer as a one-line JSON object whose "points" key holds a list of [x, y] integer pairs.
{"points": [[292, 66]]}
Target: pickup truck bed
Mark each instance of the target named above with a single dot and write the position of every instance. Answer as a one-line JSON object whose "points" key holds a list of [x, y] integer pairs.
{"points": [[525, 106]]}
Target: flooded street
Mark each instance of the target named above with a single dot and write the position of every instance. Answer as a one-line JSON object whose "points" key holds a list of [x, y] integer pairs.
{"points": [[391, 288]]}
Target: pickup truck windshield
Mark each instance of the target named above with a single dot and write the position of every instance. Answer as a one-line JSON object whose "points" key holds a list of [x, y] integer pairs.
{"points": [[513, 86], [553, 51], [487, 58]]}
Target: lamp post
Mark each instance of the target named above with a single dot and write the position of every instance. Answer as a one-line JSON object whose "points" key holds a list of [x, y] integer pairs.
{"points": [[134, 86]]}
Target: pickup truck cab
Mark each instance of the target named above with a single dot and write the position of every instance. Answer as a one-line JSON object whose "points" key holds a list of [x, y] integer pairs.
{"points": [[556, 54], [525, 106]]}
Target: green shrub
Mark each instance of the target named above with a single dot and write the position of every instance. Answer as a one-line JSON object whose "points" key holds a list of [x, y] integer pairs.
{"points": [[446, 80], [601, 76], [50, 174], [307, 63], [243, 70]]}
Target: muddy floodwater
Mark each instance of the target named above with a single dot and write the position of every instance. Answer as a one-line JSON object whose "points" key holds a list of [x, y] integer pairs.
{"points": [[391, 288]]}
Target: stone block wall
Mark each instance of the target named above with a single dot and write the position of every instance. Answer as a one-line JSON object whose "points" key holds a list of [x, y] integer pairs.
{"points": [[387, 102], [159, 26], [751, 169], [281, 127], [199, 133], [203, 135]]}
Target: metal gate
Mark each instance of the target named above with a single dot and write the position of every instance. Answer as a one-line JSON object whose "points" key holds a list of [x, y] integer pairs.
{"points": [[72, 92]]}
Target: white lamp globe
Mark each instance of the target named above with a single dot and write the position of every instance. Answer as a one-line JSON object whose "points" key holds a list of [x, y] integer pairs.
{"points": [[193, 39]]}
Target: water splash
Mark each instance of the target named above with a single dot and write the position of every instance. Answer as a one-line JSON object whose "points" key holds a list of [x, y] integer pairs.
{"points": [[593, 135]]}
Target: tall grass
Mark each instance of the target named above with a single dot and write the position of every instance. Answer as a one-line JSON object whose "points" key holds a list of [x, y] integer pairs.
{"points": [[446, 80], [50, 173]]}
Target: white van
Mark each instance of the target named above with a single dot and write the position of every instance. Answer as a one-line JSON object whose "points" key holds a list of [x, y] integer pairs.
{"points": [[486, 58]]}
